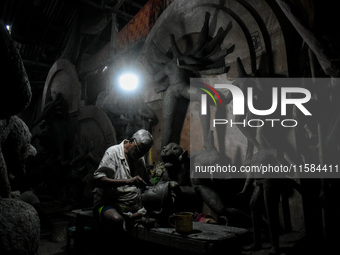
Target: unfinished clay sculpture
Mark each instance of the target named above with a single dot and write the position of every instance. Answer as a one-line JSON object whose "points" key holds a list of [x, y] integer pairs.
{"points": [[173, 74]]}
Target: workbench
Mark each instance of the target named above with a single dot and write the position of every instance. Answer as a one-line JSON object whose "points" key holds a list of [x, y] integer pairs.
{"points": [[204, 239]]}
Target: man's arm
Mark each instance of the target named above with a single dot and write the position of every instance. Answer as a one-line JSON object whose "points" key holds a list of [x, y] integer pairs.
{"points": [[106, 182]]}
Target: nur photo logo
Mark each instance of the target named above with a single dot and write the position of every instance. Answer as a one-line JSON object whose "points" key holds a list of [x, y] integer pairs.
{"points": [[282, 99]]}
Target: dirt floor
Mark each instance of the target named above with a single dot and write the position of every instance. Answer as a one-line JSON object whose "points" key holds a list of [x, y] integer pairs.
{"points": [[47, 247], [54, 235]]}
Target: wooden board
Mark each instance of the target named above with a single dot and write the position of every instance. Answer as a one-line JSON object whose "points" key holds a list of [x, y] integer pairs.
{"points": [[95, 130], [62, 78], [204, 239]]}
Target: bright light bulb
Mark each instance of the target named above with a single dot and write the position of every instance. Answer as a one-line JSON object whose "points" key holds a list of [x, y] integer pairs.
{"points": [[128, 81], [9, 28]]}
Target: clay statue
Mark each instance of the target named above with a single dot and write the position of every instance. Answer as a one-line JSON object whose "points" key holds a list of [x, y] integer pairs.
{"points": [[17, 236], [213, 190], [173, 73], [176, 165], [15, 148], [266, 195], [19, 221], [15, 95], [273, 150], [19, 227], [270, 150], [261, 99], [171, 178]]}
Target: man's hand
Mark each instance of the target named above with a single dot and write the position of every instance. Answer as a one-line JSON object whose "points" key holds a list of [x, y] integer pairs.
{"points": [[137, 181]]}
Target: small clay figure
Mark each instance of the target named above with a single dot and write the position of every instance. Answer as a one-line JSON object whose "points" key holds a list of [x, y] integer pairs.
{"points": [[265, 197], [176, 163], [171, 178], [266, 194]]}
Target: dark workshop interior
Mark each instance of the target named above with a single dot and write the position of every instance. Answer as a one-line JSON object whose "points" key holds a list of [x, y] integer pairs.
{"points": [[85, 82]]}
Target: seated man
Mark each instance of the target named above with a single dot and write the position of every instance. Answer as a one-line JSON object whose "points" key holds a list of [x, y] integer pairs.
{"points": [[118, 181]]}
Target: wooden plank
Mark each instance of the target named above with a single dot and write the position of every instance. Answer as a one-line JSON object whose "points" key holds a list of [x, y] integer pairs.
{"points": [[204, 239]]}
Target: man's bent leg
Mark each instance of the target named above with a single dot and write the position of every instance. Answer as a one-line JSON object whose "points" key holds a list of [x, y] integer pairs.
{"points": [[113, 219]]}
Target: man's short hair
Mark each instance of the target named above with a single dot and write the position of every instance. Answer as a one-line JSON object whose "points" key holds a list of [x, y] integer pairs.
{"points": [[143, 137]]}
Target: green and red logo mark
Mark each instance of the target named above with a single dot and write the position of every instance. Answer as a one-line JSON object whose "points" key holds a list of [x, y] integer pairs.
{"points": [[209, 93], [204, 97]]}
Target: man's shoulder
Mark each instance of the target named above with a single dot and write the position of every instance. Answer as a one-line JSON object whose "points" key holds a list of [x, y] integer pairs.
{"points": [[116, 150], [113, 147], [116, 147]]}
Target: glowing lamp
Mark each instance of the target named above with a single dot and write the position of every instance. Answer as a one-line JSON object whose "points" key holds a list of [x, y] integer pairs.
{"points": [[128, 81]]}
